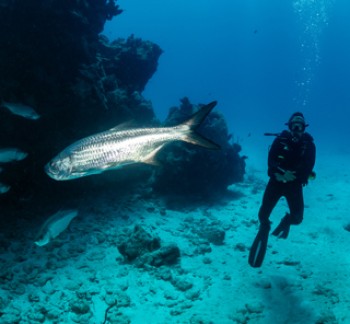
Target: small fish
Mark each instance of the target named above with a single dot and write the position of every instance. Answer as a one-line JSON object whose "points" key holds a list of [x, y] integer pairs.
{"points": [[21, 110], [11, 154], [116, 148], [4, 188], [54, 226]]}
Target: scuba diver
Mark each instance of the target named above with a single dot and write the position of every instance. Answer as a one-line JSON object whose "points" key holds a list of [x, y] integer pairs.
{"points": [[290, 165]]}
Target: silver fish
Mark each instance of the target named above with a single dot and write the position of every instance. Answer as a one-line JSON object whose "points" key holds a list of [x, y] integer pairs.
{"points": [[116, 148], [4, 188], [21, 110], [54, 226], [11, 154]]}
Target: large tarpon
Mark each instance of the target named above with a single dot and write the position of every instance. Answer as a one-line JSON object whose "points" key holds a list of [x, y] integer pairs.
{"points": [[116, 148]]}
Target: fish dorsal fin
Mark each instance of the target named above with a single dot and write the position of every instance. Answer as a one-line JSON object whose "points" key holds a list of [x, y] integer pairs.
{"points": [[124, 126]]}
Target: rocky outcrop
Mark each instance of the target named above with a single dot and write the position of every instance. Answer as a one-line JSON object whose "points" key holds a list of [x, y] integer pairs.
{"points": [[142, 249], [192, 170], [53, 58]]}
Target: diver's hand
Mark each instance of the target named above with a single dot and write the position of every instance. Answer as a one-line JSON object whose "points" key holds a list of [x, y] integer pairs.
{"points": [[286, 177], [289, 176], [279, 177]]}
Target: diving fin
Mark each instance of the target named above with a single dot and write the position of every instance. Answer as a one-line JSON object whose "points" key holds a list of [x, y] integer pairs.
{"points": [[282, 230], [258, 249]]}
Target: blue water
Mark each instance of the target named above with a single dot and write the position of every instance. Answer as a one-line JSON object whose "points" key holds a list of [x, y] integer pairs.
{"points": [[262, 60]]}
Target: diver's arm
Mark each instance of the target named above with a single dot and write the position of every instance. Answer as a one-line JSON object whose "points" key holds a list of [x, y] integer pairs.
{"points": [[273, 159], [307, 164]]}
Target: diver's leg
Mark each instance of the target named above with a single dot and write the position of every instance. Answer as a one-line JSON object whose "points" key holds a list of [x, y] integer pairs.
{"points": [[295, 202], [271, 196], [258, 250], [294, 196]]}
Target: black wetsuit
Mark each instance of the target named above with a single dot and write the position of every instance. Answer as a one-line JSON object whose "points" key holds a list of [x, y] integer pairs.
{"points": [[285, 154]]}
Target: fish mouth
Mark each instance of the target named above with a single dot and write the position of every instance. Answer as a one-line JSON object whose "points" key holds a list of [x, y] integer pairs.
{"points": [[53, 171], [60, 170]]}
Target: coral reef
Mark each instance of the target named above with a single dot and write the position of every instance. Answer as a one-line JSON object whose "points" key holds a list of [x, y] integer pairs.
{"points": [[54, 61], [189, 169], [142, 249], [53, 58]]}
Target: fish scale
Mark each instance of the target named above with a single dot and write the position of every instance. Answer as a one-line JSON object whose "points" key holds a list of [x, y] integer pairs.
{"points": [[116, 148]]}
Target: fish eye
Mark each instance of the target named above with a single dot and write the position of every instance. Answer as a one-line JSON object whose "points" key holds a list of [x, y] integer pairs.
{"points": [[53, 167]]}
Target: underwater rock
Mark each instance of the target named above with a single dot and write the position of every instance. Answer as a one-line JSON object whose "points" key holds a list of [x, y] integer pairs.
{"points": [[142, 249], [14, 316], [79, 307], [181, 284], [327, 318], [56, 61], [347, 227], [215, 236], [136, 242], [53, 314], [327, 291], [200, 319], [133, 62], [163, 273], [255, 308], [196, 171], [46, 41], [166, 255], [193, 295], [117, 317], [208, 229], [118, 299], [36, 317], [289, 262], [241, 247], [81, 83], [207, 260], [202, 248]]}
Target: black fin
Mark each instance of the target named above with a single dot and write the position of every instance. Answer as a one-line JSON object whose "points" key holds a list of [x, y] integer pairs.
{"points": [[282, 230], [258, 250]]}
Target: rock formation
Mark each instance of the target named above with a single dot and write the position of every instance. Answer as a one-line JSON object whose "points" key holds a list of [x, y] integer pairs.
{"points": [[54, 59]]}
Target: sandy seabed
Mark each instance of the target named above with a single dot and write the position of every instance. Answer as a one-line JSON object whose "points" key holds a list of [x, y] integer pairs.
{"points": [[81, 277]]}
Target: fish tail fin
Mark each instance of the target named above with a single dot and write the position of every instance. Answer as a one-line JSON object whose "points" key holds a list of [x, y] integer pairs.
{"points": [[196, 119], [200, 140], [194, 122]]}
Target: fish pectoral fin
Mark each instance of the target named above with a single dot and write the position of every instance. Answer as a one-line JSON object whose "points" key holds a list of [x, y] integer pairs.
{"points": [[151, 157]]}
